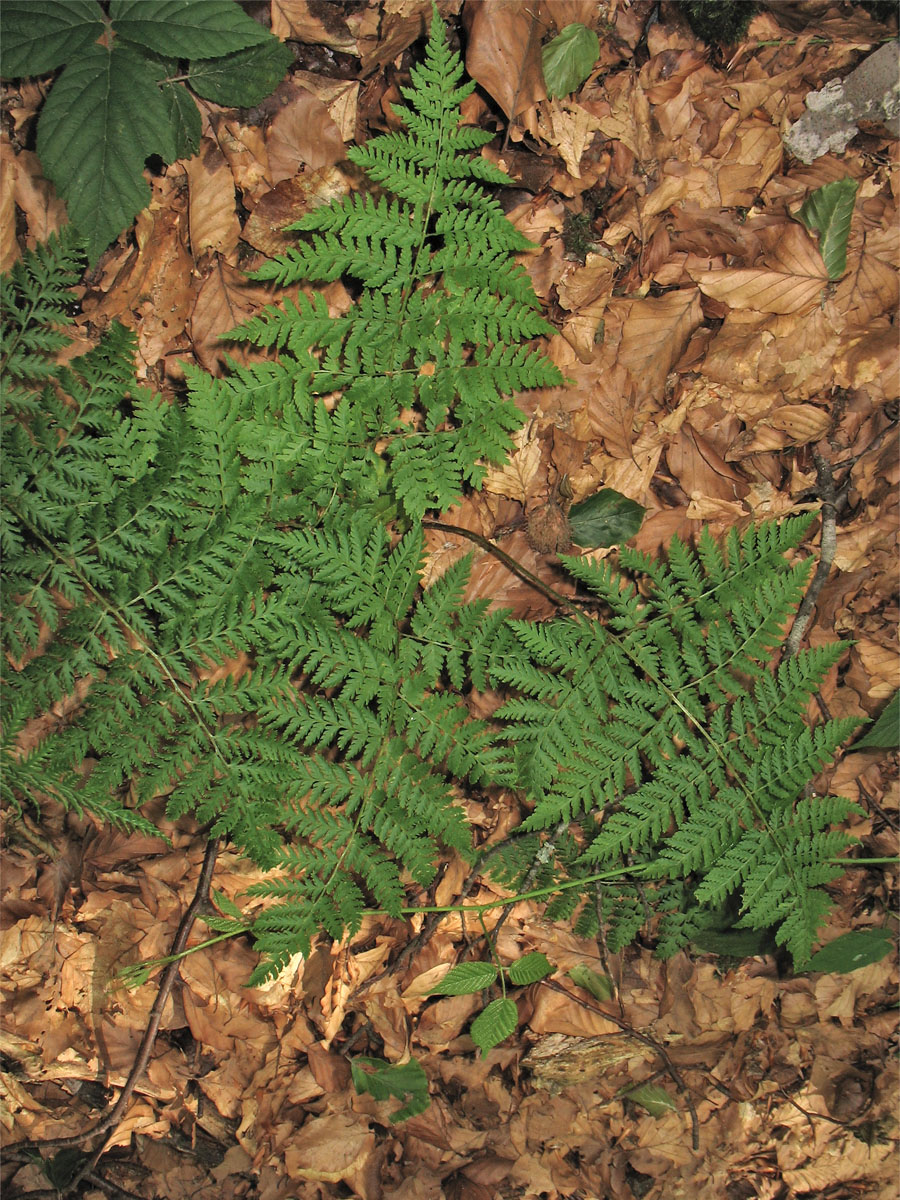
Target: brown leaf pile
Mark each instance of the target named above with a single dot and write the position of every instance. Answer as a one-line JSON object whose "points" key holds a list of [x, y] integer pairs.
{"points": [[709, 364]]}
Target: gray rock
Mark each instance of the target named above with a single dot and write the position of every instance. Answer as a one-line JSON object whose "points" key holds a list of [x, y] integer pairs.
{"points": [[870, 93]]}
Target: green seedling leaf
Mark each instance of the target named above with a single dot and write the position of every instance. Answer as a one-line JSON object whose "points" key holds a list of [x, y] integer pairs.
{"points": [[184, 119], [569, 59], [885, 733], [243, 78], [494, 1024], [226, 906], [103, 118], [828, 211], [384, 1080], [735, 943], [37, 36], [530, 969], [853, 950], [605, 519], [62, 1168], [185, 28], [465, 979], [654, 1098], [600, 986]]}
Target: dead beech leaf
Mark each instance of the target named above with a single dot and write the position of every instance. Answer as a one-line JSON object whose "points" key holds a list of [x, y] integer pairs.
{"points": [[790, 281], [655, 333], [9, 247], [226, 298], [504, 53], [570, 128], [36, 196], [514, 477], [803, 423], [302, 134], [245, 149], [287, 202], [212, 216], [871, 358], [314, 23], [331, 1149]]}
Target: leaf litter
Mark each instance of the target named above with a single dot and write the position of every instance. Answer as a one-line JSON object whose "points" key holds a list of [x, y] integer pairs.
{"points": [[710, 361]]}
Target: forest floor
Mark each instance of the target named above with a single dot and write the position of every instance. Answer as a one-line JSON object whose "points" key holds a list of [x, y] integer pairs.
{"points": [[715, 377]]}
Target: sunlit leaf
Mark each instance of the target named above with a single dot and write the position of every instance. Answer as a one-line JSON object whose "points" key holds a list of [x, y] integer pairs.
{"points": [[569, 59], [494, 1024], [654, 1098], [530, 969], [600, 986], [465, 979]]}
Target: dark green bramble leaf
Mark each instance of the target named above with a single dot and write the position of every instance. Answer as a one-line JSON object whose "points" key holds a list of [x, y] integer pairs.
{"points": [[853, 950], [184, 119], [36, 36], [885, 733], [569, 59], [530, 969], [243, 78], [605, 519], [600, 986], [734, 943], [184, 28], [494, 1024], [465, 979], [62, 1168], [384, 1080], [828, 211], [654, 1098]]}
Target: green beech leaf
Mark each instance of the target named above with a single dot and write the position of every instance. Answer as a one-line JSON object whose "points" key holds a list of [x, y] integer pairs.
{"points": [[885, 733], [465, 979], [184, 119], [600, 986], [494, 1024], [530, 969], [103, 118], [853, 950], [654, 1098], [605, 519], [243, 78], [384, 1080], [226, 905], [37, 36], [828, 211], [569, 59], [186, 28]]}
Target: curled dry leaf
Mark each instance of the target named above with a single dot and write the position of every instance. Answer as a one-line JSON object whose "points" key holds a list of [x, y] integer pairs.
{"points": [[212, 214]]}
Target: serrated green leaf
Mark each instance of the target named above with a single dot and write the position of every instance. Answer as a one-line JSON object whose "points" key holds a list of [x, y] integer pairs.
{"points": [[184, 119], [885, 733], [600, 986], [383, 1080], [530, 969], [828, 211], [853, 950], [227, 906], [103, 118], [37, 36], [494, 1024], [185, 28], [243, 78], [569, 59], [465, 979], [605, 519], [654, 1098]]}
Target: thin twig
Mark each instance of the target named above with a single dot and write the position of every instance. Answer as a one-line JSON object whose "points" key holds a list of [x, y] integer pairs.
{"points": [[142, 1057], [828, 546], [656, 1046]]}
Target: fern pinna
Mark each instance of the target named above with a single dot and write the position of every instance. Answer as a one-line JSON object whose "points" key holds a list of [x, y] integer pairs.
{"points": [[217, 599], [428, 356]]}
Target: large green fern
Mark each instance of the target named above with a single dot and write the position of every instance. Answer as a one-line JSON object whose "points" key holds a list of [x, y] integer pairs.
{"points": [[213, 592]]}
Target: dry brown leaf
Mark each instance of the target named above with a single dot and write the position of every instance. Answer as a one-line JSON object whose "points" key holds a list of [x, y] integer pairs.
{"points": [[569, 127], [212, 211], [793, 285], [302, 134], [44, 212], [9, 247], [503, 53], [226, 299], [287, 202], [245, 149], [655, 332], [315, 23], [514, 478]]}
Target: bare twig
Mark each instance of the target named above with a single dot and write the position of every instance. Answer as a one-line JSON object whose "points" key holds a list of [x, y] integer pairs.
{"points": [[656, 1046], [142, 1057], [804, 615]]}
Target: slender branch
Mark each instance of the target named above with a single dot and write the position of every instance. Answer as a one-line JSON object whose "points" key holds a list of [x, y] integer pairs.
{"points": [[114, 1117], [804, 615]]}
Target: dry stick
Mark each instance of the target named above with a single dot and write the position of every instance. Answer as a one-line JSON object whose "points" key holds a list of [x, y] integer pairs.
{"points": [[828, 546], [657, 1047], [167, 982]]}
